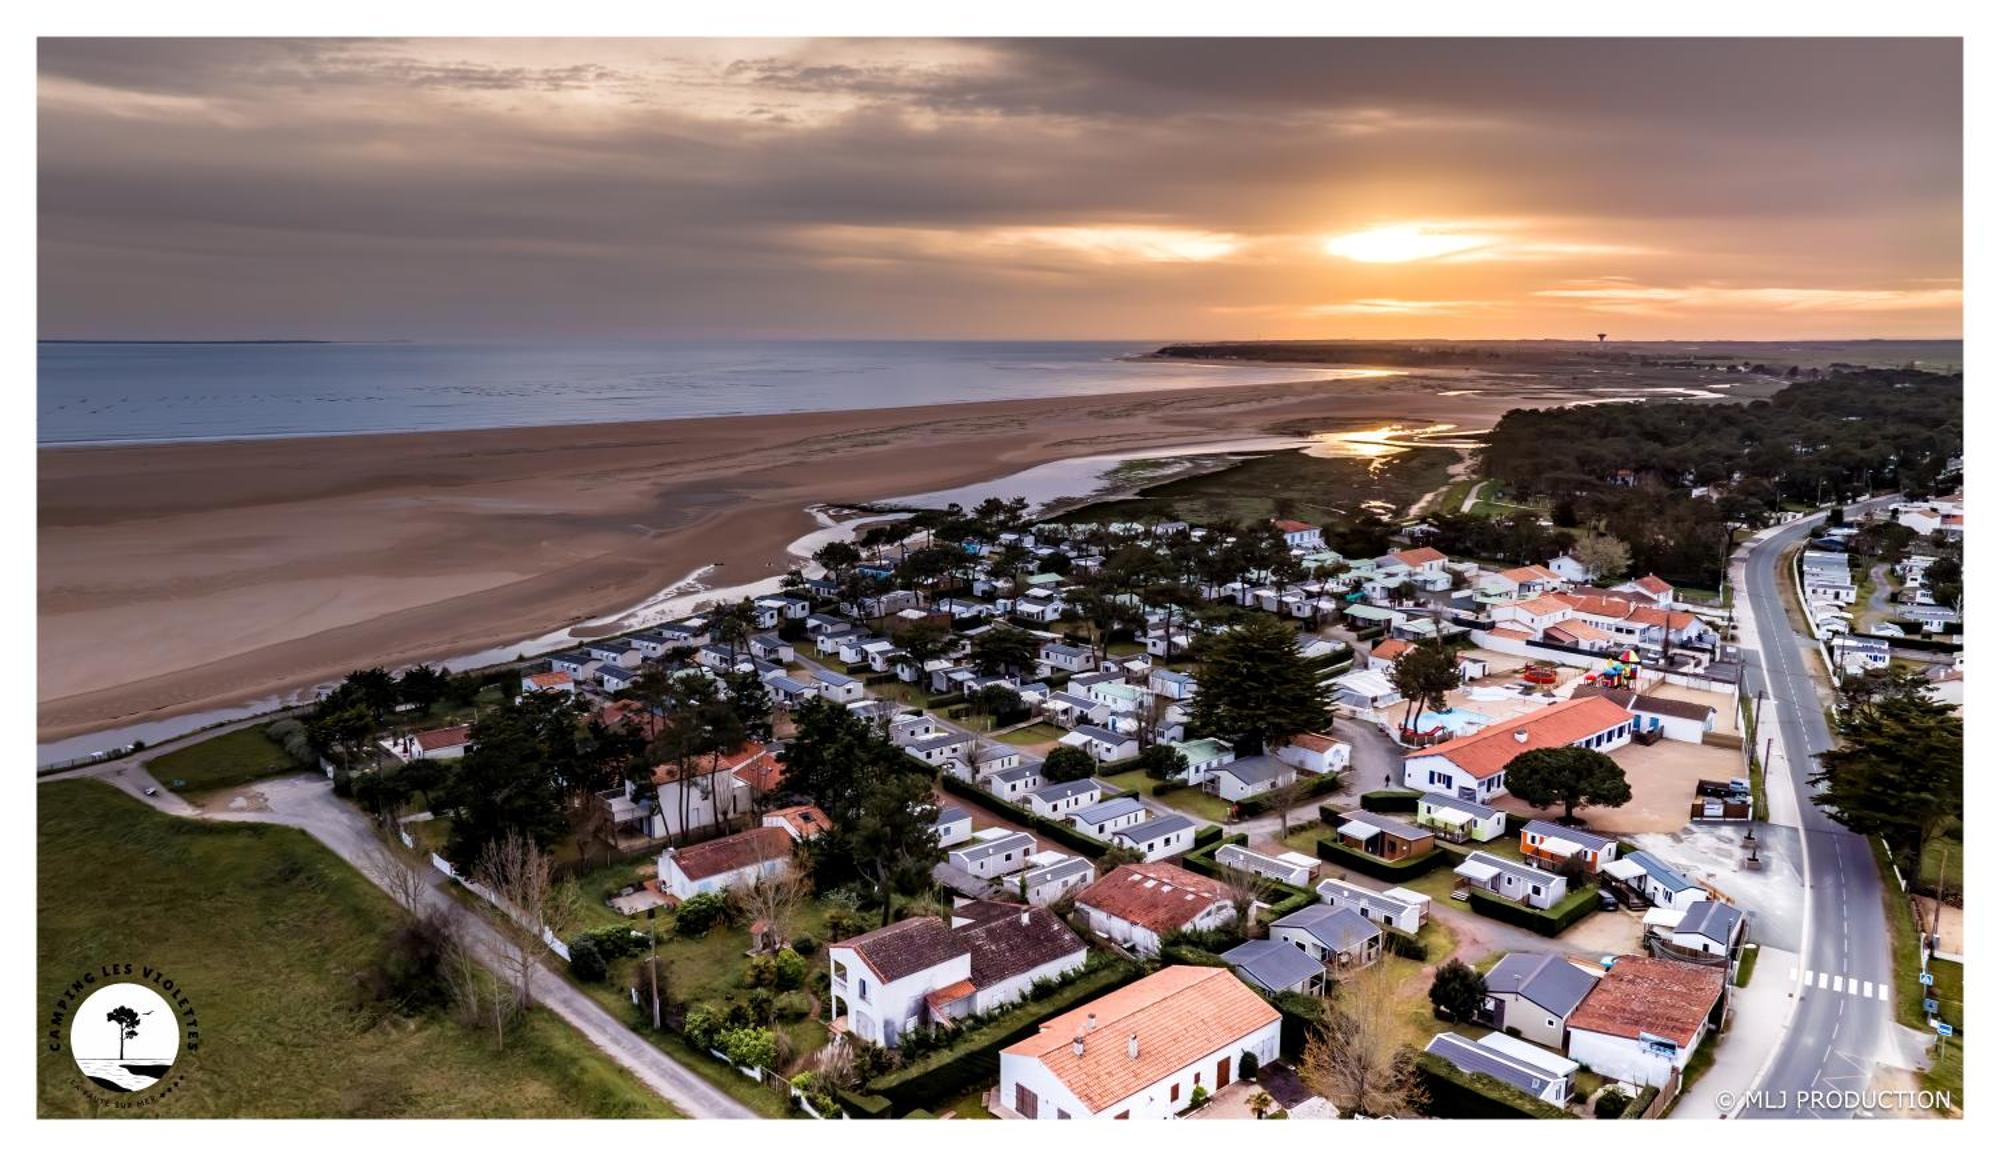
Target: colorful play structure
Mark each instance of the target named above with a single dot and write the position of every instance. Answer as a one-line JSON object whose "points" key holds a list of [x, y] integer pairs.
{"points": [[1618, 673]]}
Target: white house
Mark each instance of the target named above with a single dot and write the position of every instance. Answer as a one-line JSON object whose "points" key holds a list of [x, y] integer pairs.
{"points": [[1057, 800], [1513, 881], [1397, 907], [1241, 779], [1049, 876], [1569, 569], [1203, 756], [1474, 767], [1645, 1018], [1551, 845], [548, 682], [1292, 867], [992, 852], [1103, 744], [1138, 904], [1300, 535], [1062, 656], [1653, 880], [1541, 1074], [1533, 994], [1339, 937], [1315, 754], [1160, 837], [1709, 927], [1461, 820], [1101, 819], [953, 826], [1172, 684], [722, 864], [442, 743], [837, 687], [1140, 1052], [929, 971], [1364, 690]]}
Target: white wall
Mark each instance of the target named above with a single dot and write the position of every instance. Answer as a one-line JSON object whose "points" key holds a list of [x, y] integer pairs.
{"points": [[1625, 1059], [1150, 1103]]}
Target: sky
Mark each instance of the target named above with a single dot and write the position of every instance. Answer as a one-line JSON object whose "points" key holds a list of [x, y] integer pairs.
{"points": [[1046, 189]]}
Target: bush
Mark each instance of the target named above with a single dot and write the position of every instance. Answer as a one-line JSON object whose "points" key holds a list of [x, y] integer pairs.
{"points": [[790, 969], [1391, 802], [1197, 1096], [1246, 1066], [703, 1025], [698, 913], [1611, 1104], [586, 963], [750, 1047], [1409, 947], [793, 1005], [760, 972], [805, 945]]}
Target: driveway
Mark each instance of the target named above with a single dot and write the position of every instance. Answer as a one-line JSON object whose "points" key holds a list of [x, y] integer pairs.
{"points": [[307, 802]]}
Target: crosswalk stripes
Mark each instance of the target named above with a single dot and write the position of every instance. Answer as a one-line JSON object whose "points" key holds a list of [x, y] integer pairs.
{"points": [[1840, 984]]}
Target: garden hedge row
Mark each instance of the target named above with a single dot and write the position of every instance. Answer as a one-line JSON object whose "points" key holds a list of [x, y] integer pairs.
{"points": [[1057, 832], [1401, 871], [1397, 801], [1567, 911], [974, 1058], [1460, 1095]]}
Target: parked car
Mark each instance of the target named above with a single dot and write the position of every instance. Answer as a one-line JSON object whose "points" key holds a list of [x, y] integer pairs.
{"points": [[1606, 901]]}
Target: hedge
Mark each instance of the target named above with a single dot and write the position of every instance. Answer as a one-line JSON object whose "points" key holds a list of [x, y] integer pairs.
{"points": [[1057, 832], [1637, 1108], [1460, 1095], [974, 1058], [861, 1105], [1401, 871], [1297, 1015], [1567, 911], [1210, 834], [1391, 802]]}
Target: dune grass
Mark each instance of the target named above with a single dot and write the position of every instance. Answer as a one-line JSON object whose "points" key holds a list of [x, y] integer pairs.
{"points": [[266, 931]]}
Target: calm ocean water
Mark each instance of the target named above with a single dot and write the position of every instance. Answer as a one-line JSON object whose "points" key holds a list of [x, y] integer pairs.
{"points": [[118, 392]]}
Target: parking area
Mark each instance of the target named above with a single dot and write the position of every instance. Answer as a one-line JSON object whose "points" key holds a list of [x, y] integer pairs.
{"points": [[1663, 778]]}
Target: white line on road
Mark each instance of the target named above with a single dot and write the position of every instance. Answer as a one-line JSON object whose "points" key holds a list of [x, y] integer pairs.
{"points": [[1822, 981], [1867, 991], [1885, 993], [1809, 977]]}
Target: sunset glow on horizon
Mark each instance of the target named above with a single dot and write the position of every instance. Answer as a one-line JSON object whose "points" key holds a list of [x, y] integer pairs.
{"points": [[1000, 189]]}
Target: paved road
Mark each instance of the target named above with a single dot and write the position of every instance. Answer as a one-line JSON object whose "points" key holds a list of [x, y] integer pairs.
{"points": [[1842, 1027], [307, 802]]}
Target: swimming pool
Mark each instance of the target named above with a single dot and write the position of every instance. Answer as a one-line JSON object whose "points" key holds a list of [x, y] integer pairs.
{"points": [[1457, 720]]}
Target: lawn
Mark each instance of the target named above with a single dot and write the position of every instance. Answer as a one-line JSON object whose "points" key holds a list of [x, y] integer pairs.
{"points": [[1945, 856], [1413, 987], [265, 931], [1187, 800], [1947, 1072], [1285, 485], [1033, 735], [226, 760], [1746, 965]]}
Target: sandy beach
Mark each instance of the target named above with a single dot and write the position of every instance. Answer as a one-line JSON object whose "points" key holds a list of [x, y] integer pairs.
{"points": [[191, 576]]}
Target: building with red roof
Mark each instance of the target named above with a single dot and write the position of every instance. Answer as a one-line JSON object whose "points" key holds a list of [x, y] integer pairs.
{"points": [[1474, 767]]}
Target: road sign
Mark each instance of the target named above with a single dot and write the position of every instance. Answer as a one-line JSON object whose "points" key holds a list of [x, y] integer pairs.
{"points": [[1944, 1030], [1930, 1007], [1926, 979]]}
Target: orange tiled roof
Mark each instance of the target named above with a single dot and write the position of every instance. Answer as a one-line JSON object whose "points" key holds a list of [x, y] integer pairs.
{"points": [[1657, 996], [1157, 896], [807, 821], [1654, 584], [443, 737], [1581, 631], [1489, 750], [1418, 556], [1307, 740], [549, 678], [1288, 526], [1544, 604], [1180, 1014], [1389, 650], [1531, 574]]}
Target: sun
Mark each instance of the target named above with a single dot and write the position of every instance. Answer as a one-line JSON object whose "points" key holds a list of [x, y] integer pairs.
{"points": [[1390, 244]]}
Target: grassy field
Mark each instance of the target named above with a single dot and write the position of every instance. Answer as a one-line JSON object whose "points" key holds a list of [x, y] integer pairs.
{"points": [[266, 931], [226, 760], [1945, 857], [1033, 735], [1289, 485], [1947, 1072]]}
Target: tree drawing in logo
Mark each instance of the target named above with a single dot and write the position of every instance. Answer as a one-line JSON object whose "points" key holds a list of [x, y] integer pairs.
{"points": [[128, 1025]]}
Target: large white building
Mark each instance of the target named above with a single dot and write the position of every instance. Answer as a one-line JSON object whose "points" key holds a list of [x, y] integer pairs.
{"points": [[1474, 767], [1645, 1018], [1140, 1052]]}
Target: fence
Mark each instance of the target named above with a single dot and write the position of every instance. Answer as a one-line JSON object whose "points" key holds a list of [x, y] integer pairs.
{"points": [[554, 942]]}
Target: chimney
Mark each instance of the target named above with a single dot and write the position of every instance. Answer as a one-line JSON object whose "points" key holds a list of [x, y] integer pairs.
{"points": [[1521, 736], [1076, 1045], [1090, 1022], [1132, 1046]]}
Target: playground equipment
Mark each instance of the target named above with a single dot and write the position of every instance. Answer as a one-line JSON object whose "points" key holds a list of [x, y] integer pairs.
{"points": [[1540, 674], [1618, 673]]}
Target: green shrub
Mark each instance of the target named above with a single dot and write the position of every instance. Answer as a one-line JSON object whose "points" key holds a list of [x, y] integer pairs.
{"points": [[586, 963], [698, 913], [761, 971], [793, 1005], [703, 1025], [1611, 1104], [805, 945], [750, 1047], [790, 969]]}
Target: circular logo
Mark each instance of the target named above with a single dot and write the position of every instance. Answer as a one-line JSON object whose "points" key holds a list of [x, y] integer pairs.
{"points": [[124, 1037], [125, 1028]]}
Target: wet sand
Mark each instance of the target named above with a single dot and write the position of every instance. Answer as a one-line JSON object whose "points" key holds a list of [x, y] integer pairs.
{"points": [[192, 576]]}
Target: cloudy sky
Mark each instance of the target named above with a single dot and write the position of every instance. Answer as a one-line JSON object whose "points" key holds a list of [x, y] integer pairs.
{"points": [[1044, 189]]}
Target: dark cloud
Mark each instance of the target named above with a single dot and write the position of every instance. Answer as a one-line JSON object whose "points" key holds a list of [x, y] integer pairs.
{"points": [[367, 187]]}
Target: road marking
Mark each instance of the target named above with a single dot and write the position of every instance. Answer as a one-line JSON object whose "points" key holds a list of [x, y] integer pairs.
{"points": [[1822, 981], [1867, 991], [1853, 986], [1794, 976], [1809, 977], [1885, 993]]}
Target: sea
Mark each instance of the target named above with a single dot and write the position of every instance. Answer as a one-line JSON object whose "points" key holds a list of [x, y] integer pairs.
{"points": [[112, 392]]}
